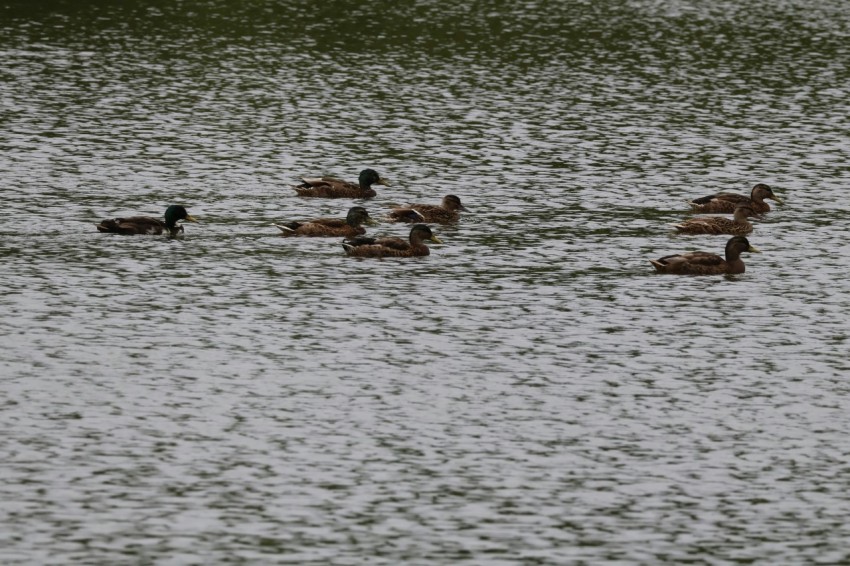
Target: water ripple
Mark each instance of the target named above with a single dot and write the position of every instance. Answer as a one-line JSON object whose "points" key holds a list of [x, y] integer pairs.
{"points": [[531, 392]]}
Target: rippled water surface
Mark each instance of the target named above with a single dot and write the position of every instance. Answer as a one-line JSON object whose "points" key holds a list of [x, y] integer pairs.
{"points": [[531, 392]]}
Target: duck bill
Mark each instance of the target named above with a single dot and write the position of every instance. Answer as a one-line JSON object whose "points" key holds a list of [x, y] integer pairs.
{"points": [[754, 250], [370, 222], [463, 208], [779, 200], [190, 218], [384, 182], [435, 239]]}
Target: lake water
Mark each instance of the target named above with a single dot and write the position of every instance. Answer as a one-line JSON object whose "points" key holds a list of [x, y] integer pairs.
{"points": [[530, 393]]}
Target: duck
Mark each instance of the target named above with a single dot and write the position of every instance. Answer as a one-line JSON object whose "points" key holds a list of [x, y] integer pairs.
{"points": [[392, 246], [726, 202], [444, 213], [329, 187], [735, 226], [148, 225], [705, 263], [348, 227]]}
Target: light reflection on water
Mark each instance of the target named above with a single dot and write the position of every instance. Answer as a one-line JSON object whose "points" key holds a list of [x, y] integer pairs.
{"points": [[531, 391]]}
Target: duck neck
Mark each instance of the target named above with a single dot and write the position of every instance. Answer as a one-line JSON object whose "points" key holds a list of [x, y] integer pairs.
{"points": [[171, 217], [735, 265], [416, 241], [420, 248]]}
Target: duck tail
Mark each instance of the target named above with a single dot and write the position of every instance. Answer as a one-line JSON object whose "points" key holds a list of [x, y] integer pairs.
{"points": [[288, 229], [107, 226]]}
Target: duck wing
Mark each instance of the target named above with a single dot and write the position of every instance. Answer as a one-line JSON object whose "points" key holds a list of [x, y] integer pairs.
{"points": [[406, 215], [723, 197], [694, 263], [704, 225], [133, 225]]}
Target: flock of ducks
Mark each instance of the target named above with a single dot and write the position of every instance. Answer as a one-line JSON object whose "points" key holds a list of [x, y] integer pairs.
{"points": [[351, 228], [356, 243], [704, 263]]}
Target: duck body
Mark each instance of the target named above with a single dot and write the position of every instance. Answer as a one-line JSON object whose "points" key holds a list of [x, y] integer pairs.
{"points": [[705, 263], [726, 202], [330, 187], [392, 246], [736, 226], [148, 225], [348, 227], [446, 212]]}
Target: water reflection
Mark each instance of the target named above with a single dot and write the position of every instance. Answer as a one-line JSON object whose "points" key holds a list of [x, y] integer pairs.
{"points": [[529, 392]]}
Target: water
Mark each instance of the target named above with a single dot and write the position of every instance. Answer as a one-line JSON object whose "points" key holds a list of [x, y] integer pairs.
{"points": [[530, 393]]}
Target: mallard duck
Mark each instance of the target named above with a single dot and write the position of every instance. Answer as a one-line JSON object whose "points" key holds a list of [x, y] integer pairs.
{"points": [[448, 211], [328, 187], [736, 226], [391, 246], [726, 202], [148, 225], [347, 227], [705, 263]]}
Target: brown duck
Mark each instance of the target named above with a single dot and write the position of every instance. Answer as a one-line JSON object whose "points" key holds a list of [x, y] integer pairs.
{"points": [[391, 246], [148, 225], [705, 263], [348, 227], [726, 202], [444, 213], [329, 187], [736, 226]]}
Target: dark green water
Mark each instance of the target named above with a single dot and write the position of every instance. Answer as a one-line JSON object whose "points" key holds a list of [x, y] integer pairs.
{"points": [[529, 393]]}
